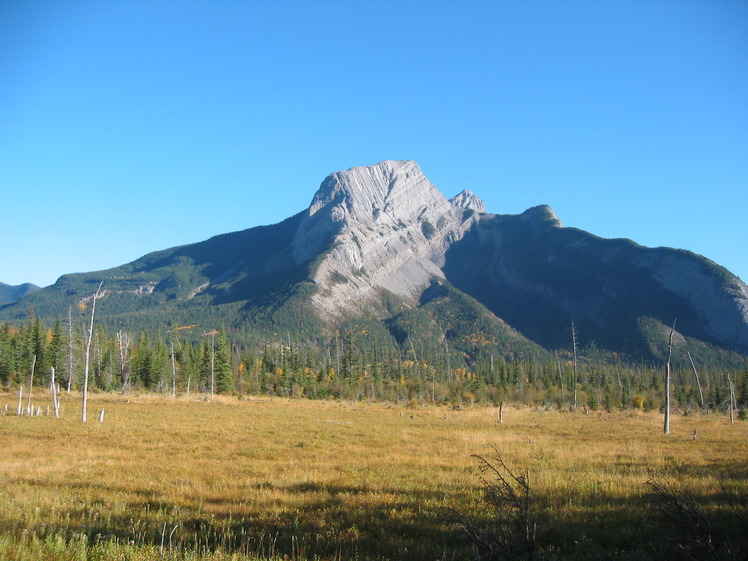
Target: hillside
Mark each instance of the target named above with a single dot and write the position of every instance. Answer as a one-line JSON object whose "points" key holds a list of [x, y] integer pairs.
{"points": [[383, 246], [10, 293]]}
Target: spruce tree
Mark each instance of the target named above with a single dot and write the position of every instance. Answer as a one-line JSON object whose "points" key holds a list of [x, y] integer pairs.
{"points": [[223, 371]]}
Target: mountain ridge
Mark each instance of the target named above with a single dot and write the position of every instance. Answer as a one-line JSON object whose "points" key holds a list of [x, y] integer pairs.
{"points": [[9, 293], [375, 239]]}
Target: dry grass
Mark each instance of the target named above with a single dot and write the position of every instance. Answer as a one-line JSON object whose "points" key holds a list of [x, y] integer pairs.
{"points": [[340, 480]]}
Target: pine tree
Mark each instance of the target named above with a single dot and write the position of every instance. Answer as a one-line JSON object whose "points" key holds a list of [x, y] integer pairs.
{"points": [[222, 366], [7, 356]]}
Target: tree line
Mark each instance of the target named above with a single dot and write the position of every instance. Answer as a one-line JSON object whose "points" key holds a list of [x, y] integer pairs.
{"points": [[352, 364]]}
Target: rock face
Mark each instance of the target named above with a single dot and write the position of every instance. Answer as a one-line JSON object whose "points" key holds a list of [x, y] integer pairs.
{"points": [[467, 199], [379, 227], [386, 227], [719, 299], [377, 231]]}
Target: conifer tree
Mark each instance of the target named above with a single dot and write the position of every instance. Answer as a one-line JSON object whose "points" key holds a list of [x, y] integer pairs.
{"points": [[222, 364]]}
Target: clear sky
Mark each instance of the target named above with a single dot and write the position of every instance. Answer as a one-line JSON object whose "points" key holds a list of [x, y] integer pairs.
{"points": [[130, 127]]}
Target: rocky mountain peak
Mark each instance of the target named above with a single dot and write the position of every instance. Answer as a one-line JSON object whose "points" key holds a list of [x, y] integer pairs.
{"points": [[380, 227], [390, 193], [468, 199], [384, 193]]}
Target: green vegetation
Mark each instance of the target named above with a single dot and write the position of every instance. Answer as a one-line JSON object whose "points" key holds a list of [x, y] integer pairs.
{"points": [[515, 269], [428, 229], [437, 353]]}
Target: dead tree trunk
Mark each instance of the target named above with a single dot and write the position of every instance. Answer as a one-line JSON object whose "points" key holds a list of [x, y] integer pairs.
{"points": [[574, 346], [173, 372], [561, 381], [698, 383], [31, 385], [55, 399], [666, 428], [70, 348], [213, 364], [88, 355], [123, 342], [733, 401]]}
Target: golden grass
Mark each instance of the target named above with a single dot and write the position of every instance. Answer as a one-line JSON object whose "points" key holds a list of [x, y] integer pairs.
{"points": [[338, 479]]}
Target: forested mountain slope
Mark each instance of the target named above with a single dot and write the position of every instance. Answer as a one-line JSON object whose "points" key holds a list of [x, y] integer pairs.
{"points": [[381, 245], [10, 293]]}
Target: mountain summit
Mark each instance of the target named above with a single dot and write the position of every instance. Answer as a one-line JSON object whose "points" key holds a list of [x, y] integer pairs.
{"points": [[383, 243], [386, 226]]}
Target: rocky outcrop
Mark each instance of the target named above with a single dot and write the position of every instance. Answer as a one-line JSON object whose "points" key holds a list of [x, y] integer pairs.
{"points": [[719, 298], [379, 227], [468, 199]]}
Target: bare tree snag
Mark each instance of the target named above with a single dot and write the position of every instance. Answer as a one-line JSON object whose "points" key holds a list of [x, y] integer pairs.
{"points": [[561, 381], [213, 363], [698, 383], [666, 428], [123, 343], [71, 367], [53, 388], [173, 372], [20, 400], [574, 346], [31, 385], [88, 354], [733, 401]]}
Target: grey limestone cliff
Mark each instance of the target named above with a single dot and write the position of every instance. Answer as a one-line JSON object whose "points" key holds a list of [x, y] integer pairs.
{"points": [[380, 227]]}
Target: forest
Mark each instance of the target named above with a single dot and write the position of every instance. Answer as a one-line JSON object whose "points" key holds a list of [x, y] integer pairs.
{"points": [[358, 362]]}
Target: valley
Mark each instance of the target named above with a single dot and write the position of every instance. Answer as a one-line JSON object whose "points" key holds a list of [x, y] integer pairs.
{"points": [[272, 478]]}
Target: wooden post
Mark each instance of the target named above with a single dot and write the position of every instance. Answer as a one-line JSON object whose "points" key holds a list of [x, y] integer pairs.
{"points": [[501, 412], [20, 400], [101, 416]]}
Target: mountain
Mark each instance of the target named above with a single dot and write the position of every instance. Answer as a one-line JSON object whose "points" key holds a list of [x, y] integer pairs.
{"points": [[10, 293], [380, 245], [535, 273], [384, 227]]}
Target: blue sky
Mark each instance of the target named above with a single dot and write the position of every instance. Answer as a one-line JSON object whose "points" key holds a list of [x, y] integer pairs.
{"points": [[130, 127]]}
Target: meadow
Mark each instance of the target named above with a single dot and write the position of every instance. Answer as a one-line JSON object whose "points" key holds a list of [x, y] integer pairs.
{"points": [[165, 478]]}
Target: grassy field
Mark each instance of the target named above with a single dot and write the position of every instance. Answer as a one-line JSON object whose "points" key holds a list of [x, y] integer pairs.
{"points": [[229, 479]]}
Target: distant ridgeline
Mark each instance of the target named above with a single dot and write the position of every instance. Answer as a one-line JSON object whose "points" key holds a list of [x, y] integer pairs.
{"points": [[10, 294], [382, 269]]}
